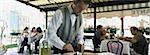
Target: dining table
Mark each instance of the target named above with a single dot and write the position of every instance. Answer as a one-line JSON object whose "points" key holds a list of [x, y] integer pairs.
{"points": [[86, 53]]}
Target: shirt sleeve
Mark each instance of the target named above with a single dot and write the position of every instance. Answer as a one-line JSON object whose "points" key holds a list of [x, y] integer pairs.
{"points": [[80, 35], [54, 24]]}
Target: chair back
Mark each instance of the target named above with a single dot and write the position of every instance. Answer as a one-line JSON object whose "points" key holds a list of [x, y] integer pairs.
{"points": [[115, 47]]}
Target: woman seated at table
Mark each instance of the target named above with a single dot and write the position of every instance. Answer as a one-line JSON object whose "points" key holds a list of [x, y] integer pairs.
{"points": [[139, 43], [100, 35]]}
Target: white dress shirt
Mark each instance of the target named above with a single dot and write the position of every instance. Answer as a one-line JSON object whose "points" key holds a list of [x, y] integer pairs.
{"points": [[55, 23]]}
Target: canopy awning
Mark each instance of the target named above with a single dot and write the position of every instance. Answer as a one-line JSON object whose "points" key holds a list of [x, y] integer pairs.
{"points": [[133, 12], [52, 5], [112, 7]]}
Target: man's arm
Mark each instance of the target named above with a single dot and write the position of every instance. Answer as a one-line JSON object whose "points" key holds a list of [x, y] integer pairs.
{"points": [[80, 36], [135, 39], [52, 30], [132, 40]]}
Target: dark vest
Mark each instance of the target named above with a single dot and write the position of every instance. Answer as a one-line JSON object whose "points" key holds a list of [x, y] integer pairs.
{"points": [[66, 31]]}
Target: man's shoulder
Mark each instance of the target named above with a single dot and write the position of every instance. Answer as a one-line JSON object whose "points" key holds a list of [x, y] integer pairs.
{"points": [[63, 7], [58, 11]]}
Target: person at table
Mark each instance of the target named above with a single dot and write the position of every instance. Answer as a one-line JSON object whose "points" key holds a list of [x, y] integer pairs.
{"points": [[96, 40], [65, 31], [139, 43], [100, 35], [103, 34]]}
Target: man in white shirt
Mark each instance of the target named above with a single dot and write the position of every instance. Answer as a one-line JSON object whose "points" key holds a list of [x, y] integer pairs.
{"points": [[65, 31]]}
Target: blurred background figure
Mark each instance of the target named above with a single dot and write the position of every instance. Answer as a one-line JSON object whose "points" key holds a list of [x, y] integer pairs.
{"points": [[33, 34], [38, 36], [139, 42], [96, 40], [100, 35], [25, 41]]}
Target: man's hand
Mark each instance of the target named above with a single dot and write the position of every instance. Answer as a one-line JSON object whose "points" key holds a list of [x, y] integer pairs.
{"points": [[82, 48], [68, 48]]}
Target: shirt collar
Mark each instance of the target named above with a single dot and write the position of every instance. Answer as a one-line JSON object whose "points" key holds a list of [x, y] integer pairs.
{"points": [[71, 10]]}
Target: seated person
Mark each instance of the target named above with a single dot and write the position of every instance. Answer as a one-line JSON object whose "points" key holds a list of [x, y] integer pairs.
{"points": [[103, 34], [25, 41], [100, 35], [139, 43]]}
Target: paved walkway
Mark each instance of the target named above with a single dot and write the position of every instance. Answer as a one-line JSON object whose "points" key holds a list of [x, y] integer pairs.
{"points": [[13, 51]]}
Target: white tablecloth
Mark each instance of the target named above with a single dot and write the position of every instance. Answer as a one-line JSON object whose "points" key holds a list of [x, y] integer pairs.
{"points": [[89, 44], [87, 53], [126, 46], [147, 36]]}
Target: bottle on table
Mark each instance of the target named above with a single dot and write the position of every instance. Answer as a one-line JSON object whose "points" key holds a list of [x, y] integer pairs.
{"points": [[44, 48]]}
